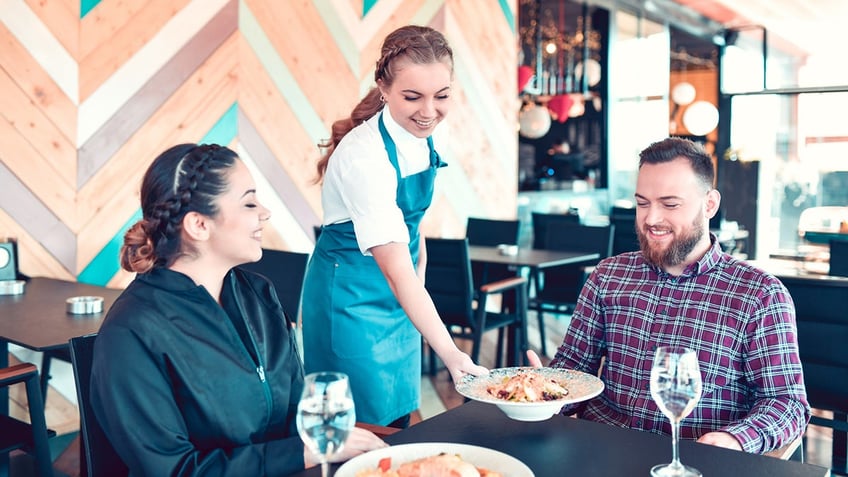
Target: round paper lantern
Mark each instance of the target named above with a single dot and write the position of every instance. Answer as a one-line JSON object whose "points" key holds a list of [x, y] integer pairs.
{"points": [[683, 93], [700, 118], [524, 75], [593, 71], [534, 121]]}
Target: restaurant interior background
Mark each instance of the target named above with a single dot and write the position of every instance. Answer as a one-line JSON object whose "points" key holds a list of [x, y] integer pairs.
{"points": [[93, 90]]}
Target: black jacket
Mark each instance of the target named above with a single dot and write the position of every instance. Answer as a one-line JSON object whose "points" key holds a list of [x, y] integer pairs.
{"points": [[183, 386]]}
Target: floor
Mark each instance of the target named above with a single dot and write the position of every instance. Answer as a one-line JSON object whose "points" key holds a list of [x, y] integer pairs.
{"points": [[438, 394]]}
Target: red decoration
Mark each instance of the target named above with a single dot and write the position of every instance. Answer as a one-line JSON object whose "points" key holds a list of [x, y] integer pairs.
{"points": [[524, 75], [559, 106]]}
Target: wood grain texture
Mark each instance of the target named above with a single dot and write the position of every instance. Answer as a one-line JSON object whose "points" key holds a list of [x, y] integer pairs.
{"points": [[151, 74]]}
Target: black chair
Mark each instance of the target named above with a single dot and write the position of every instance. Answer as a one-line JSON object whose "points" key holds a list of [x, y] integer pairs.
{"points": [[491, 233], [822, 323], [29, 437], [557, 288], [286, 271], [839, 258], [625, 238], [97, 456], [540, 225], [451, 286]]}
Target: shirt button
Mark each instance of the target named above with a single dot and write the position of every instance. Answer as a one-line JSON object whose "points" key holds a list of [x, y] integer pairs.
{"points": [[639, 423]]}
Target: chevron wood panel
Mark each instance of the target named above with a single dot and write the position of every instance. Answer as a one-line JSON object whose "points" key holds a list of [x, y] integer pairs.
{"points": [[87, 103]]}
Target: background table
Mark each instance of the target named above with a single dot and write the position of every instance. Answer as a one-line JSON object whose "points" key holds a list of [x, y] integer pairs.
{"points": [[38, 318], [566, 446]]}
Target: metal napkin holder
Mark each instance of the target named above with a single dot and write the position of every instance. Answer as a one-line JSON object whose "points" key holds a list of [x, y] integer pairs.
{"points": [[84, 305], [12, 287]]}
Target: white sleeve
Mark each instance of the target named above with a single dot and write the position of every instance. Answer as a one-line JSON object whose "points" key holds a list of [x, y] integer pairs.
{"points": [[366, 183]]}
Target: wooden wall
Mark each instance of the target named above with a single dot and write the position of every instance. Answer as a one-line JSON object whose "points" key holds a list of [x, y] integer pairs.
{"points": [[91, 91]]}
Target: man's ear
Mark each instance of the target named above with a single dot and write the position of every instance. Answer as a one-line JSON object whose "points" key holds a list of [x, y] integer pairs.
{"points": [[712, 203], [196, 226]]}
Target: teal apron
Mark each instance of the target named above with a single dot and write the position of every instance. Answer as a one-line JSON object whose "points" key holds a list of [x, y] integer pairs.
{"points": [[352, 321]]}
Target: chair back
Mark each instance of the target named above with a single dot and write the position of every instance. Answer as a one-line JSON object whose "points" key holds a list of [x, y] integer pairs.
{"points": [[581, 238], [839, 258], [448, 280], [491, 233], [286, 271], [624, 237], [822, 324], [541, 222], [98, 457], [562, 285]]}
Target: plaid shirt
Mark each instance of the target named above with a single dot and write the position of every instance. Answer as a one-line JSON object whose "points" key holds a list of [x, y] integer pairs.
{"points": [[740, 320]]}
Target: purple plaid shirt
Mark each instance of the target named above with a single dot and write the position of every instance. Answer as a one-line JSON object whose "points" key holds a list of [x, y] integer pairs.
{"points": [[740, 320]]}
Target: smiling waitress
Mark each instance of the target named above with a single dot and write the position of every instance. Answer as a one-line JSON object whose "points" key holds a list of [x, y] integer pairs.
{"points": [[364, 301]]}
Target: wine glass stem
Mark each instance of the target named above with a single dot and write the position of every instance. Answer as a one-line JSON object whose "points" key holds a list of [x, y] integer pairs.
{"points": [[675, 437], [325, 469]]}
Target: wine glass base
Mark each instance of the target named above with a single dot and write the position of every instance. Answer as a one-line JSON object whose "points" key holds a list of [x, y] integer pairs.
{"points": [[668, 470]]}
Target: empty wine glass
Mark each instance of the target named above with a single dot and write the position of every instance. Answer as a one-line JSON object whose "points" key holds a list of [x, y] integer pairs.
{"points": [[325, 414], [676, 388]]}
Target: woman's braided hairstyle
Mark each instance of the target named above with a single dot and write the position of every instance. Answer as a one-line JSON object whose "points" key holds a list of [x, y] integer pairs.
{"points": [[419, 44], [185, 178]]}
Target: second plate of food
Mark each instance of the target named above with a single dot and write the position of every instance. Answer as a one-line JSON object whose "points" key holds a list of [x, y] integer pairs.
{"points": [[486, 461], [531, 394]]}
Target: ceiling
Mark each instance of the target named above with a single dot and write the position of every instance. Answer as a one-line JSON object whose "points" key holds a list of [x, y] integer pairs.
{"points": [[799, 26]]}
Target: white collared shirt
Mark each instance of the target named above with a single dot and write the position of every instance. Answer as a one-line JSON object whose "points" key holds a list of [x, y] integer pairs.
{"points": [[361, 185]]}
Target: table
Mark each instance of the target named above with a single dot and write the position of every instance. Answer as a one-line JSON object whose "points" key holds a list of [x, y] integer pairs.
{"points": [[38, 318], [566, 446]]}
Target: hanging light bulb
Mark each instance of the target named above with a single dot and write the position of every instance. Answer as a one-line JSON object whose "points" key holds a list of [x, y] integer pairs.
{"points": [[533, 121]]}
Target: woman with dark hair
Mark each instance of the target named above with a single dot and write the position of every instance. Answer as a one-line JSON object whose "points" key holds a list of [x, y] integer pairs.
{"points": [[364, 300], [196, 369]]}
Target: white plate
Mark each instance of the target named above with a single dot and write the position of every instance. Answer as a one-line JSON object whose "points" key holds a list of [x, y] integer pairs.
{"points": [[581, 387], [490, 459]]}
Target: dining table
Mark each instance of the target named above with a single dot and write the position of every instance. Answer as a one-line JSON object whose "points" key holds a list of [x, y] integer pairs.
{"points": [[38, 318], [566, 446]]}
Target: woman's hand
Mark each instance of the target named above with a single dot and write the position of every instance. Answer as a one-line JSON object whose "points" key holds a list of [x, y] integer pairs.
{"points": [[459, 364], [358, 442]]}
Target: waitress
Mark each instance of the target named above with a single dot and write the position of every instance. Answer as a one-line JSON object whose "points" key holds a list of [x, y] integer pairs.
{"points": [[364, 301]]}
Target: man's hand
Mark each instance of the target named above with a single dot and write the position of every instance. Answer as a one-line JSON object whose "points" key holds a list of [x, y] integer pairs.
{"points": [[534, 359], [721, 439]]}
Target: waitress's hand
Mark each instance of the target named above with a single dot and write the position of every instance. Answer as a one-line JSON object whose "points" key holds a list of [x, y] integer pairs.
{"points": [[459, 364]]}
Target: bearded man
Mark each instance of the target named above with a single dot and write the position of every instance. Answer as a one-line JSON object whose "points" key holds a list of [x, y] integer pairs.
{"points": [[680, 289]]}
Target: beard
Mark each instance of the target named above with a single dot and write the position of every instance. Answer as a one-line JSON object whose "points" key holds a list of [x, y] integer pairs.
{"points": [[679, 248]]}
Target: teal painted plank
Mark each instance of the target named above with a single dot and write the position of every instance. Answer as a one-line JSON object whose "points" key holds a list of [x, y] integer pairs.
{"points": [[86, 6], [225, 129], [106, 264], [510, 18], [366, 6]]}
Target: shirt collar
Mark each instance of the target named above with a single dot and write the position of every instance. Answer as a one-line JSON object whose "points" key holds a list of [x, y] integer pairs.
{"points": [[708, 261]]}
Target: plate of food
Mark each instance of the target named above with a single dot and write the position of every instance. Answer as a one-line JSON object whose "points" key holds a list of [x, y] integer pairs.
{"points": [[530, 394], [428, 458]]}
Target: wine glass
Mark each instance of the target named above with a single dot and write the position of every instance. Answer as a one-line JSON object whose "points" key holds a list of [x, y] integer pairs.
{"points": [[676, 388], [325, 414]]}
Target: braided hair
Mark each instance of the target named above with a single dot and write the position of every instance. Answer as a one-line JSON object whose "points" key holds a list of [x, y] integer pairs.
{"points": [[185, 178], [419, 44]]}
